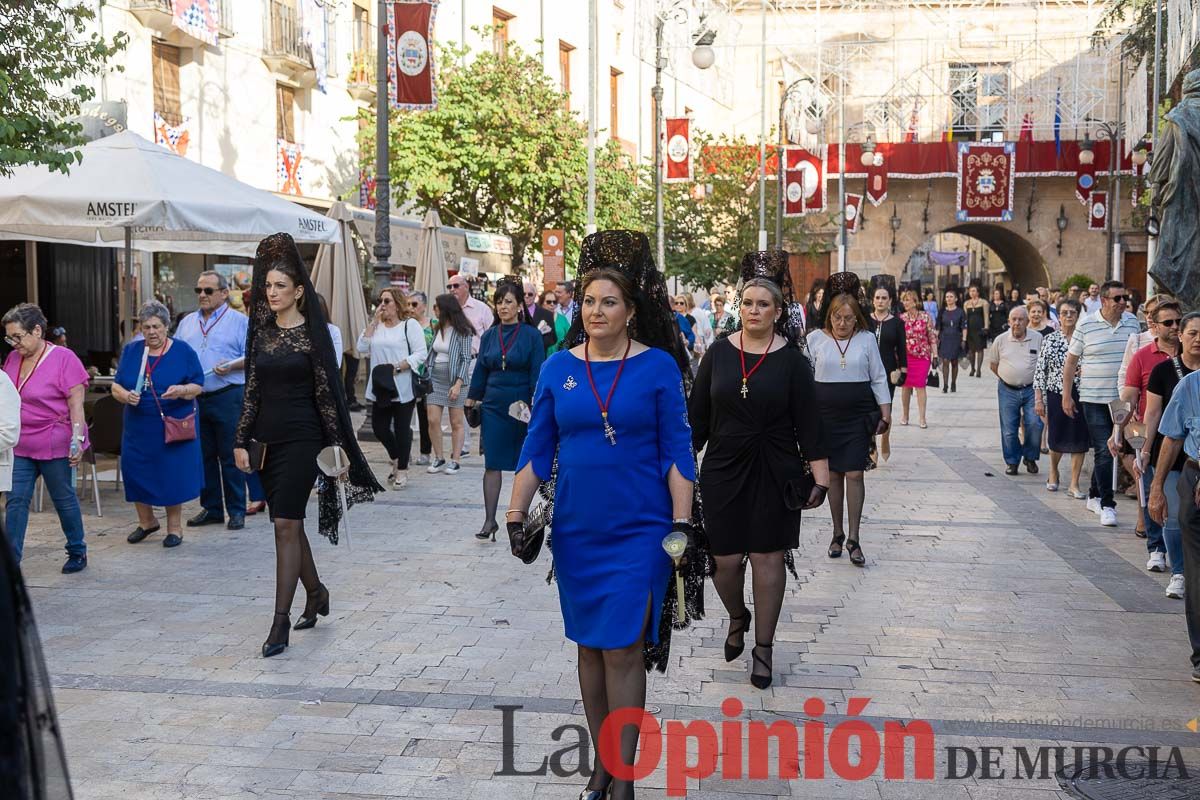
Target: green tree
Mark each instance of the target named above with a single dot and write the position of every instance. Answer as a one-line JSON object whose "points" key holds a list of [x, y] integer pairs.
{"points": [[46, 58], [712, 221], [502, 152]]}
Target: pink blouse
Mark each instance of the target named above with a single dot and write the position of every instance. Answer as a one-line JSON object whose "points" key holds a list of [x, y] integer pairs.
{"points": [[45, 413], [918, 335]]}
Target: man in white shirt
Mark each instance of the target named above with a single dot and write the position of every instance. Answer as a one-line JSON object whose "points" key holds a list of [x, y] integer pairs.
{"points": [[564, 293], [479, 314], [1093, 301], [1097, 346], [1013, 358]]}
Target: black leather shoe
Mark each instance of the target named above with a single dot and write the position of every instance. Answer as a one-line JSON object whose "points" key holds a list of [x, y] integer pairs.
{"points": [[761, 681], [1011, 469], [74, 564], [172, 540], [236, 523], [733, 651], [277, 639], [317, 603], [1031, 467], [140, 533], [204, 518]]}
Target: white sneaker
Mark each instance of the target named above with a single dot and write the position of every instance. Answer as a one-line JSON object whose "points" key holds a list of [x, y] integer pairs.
{"points": [[1157, 562], [421, 461], [1108, 517], [1093, 505], [453, 469], [436, 466], [1175, 587], [401, 478]]}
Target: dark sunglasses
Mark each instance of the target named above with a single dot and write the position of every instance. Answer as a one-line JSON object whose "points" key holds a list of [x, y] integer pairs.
{"points": [[1170, 323], [206, 290], [1119, 298], [455, 285], [531, 294], [414, 304]]}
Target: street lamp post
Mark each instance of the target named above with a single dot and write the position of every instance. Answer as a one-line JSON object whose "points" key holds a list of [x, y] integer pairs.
{"points": [[783, 143], [1112, 131], [383, 238]]}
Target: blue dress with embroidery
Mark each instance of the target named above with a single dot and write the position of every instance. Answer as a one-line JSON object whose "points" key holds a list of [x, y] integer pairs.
{"points": [[612, 505]]}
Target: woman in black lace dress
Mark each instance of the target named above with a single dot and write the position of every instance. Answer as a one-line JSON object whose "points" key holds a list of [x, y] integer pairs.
{"points": [[291, 373]]}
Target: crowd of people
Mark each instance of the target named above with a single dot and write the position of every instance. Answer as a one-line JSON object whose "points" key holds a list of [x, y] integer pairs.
{"points": [[629, 411]]}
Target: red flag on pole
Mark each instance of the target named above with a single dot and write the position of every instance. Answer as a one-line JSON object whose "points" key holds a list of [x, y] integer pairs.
{"points": [[853, 211], [679, 150], [410, 54], [1098, 211], [1085, 181], [804, 181]]}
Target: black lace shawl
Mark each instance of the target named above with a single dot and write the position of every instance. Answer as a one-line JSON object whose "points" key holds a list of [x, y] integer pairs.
{"points": [[313, 339], [654, 325], [33, 763]]}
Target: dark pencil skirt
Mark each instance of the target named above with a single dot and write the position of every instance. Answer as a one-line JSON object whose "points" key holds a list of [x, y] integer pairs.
{"points": [[1065, 434], [850, 415], [288, 477]]}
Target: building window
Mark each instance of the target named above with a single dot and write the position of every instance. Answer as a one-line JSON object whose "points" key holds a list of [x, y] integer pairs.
{"points": [[165, 62], [978, 100], [614, 100], [564, 67], [500, 23], [285, 113]]}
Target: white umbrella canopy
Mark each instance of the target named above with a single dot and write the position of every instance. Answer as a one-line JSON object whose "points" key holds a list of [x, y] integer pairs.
{"points": [[336, 276], [166, 202], [431, 274]]}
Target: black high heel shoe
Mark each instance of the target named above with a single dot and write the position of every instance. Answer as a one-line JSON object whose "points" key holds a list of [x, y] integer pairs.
{"points": [[732, 652], [596, 794], [488, 532], [761, 681], [277, 639], [856, 554], [317, 603], [835, 545]]}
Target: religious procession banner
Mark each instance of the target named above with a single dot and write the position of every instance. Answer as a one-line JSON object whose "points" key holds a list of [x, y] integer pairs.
{"points": [[678, 150], [853, 211], [804, 181], [877, 174], [197, 18], [987, 173], [1098, 211], [1085, 181], [410, 55]]}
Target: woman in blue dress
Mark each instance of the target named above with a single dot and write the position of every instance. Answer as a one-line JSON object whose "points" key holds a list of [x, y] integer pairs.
{"points": [[510, 359], [157, 473], [611, 412]]}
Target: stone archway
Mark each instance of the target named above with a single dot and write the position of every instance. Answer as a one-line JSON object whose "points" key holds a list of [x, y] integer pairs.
{"points": [[1021, 258]]}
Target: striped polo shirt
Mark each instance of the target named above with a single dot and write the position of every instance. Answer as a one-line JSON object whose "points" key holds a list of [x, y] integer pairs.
{"points": [[1100, 348]]}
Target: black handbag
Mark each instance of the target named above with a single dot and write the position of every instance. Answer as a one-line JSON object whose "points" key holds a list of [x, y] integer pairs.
{"points": [[474, 415], [533, 536], [932, 379], [796, 491], [422, 386]]}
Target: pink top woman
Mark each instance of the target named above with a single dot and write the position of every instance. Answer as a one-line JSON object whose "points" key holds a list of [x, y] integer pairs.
{"points": [[45, 414]]}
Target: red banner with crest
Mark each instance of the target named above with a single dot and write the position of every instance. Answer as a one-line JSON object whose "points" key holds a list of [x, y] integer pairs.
{"points": [[804, 181], [853, 211], [678, 150], [1097, 211], [987, 173], [410, 55]]}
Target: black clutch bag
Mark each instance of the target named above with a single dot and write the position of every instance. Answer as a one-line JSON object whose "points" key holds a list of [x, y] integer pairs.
{"points": [[258, 455], [796, 491], [474, 415]]}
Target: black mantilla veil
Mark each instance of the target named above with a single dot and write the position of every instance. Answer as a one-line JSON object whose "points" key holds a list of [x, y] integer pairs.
{"points": [[654, 325], [280, 249], [772, 265], [33, 763], [842, 283]]}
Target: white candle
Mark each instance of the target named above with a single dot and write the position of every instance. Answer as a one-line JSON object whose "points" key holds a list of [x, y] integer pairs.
{"points": [[141, 379]]}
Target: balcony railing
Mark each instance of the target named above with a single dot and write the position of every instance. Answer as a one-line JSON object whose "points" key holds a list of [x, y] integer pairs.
{"points": [[284, 34], [155, 5], [361, 80], [284, 49], [225, 23]]}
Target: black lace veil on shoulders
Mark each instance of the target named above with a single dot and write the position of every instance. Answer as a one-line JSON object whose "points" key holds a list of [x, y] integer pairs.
{"points": [[279, 249]]}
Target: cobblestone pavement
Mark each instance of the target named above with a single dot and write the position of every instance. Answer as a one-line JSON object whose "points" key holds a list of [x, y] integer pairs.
{"points": [[1004, 615]]}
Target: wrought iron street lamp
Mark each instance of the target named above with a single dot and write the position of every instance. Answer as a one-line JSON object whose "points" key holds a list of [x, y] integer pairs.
{"points": [[1062, 225], [895, 221], [382, 250], [1112, 131]]}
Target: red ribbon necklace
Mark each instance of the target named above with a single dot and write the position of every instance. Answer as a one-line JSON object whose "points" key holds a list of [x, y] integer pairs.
{"points": [[609, 433], [504, 348], [746, 375], [205, 331]]}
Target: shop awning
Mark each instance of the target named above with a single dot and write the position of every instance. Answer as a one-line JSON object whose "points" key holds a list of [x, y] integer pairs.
{"points": [[484, 252]]}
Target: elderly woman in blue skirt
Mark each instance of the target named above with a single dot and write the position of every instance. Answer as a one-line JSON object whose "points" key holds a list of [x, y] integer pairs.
{"points": [[158, 473], [510, 360]]}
